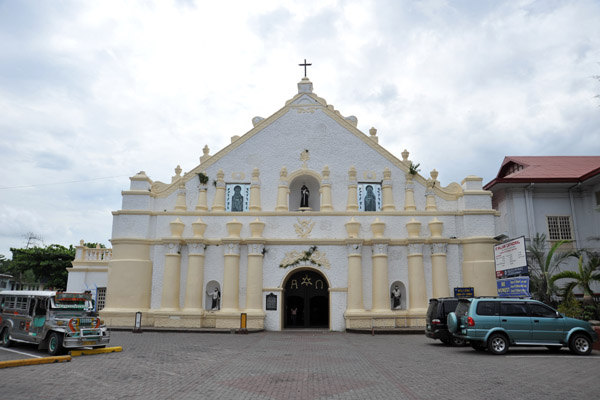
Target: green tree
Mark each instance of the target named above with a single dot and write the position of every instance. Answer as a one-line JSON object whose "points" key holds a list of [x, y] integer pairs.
{"points": [[581, 279], [544, 266], [48, 264]]}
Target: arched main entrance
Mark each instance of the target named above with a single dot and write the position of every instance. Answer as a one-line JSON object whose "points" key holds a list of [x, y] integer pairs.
{"points": [[306, 293]]}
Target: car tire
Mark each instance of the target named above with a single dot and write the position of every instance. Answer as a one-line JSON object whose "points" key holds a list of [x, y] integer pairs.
{"points": [[458, 342], [478, 346], [497, 344], [554, 349], [580, 344], [6, 341], [55, 342]]}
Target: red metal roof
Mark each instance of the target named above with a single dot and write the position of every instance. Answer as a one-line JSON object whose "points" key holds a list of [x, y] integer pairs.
{"points": [[546, 169]]}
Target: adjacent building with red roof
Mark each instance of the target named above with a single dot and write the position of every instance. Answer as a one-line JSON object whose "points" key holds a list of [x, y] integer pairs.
{"points": [[555, 195]]}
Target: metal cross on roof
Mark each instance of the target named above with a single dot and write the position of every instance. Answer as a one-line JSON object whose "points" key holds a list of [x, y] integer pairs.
{"points": [[304, 65]]}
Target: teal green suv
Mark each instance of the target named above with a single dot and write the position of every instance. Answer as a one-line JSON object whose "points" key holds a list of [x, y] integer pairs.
{"points": [[496, 324]]}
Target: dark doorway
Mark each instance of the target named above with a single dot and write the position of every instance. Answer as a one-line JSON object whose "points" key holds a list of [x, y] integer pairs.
{"points": [[306, 300]]}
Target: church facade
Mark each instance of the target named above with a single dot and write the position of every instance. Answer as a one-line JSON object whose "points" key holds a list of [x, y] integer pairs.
{"points": [[304, 221]]}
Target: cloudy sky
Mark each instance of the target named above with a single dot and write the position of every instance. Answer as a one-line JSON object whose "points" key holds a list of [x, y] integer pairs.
{"points": [[92, 92]]}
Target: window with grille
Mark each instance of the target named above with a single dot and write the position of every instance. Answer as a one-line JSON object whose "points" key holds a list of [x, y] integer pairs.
{"points": [[100, 298], [559, 228]]}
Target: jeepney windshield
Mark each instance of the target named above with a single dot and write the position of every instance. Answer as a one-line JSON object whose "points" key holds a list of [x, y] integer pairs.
{"points": [[72, 301]]}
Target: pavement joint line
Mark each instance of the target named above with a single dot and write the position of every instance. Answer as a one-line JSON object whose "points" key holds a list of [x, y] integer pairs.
{"points": [[77, 353], [34, 361], [20, 352]]}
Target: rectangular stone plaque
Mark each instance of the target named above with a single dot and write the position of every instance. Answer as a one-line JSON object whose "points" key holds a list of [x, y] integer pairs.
{"points": [[271, 302]]}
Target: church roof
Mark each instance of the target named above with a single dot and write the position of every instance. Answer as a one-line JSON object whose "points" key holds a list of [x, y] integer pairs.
{"points": [[546, 169]]}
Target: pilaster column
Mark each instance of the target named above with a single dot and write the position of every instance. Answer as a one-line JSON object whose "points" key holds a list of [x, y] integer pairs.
{"points": [[194, 285], [202, 199], [417, 294], [352, 204], [354, 248], [439, 271], [282, 192], [219, 201], [180, 202], [355, 290], [386, 188], [254, 283], [171, 277], [231, 269], [478, 265], [430, 200], [172, 271], [380, 295], [326, 204], [409, 194], [255, 192]]}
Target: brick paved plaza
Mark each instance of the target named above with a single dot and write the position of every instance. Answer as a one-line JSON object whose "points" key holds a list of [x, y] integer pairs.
{"points": [[301, 365]]}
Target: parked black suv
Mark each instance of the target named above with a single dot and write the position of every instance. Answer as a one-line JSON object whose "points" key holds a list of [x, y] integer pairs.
{"points": [[436, 321]]}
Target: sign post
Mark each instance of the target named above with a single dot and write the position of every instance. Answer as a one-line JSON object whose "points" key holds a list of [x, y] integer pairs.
{"points": [[510, 258]]}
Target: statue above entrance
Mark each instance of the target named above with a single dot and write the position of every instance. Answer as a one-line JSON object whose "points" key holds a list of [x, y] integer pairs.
{"points": [[304, 194]]}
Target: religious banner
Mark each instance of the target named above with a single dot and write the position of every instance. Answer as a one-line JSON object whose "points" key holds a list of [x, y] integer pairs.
{"points": [[369, 196], [237, 197]]}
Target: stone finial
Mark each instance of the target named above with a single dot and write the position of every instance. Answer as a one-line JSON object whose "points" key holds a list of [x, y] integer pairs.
{"points": [[434, 174], [352, 173], [205, 156], [436, 227], [255, 174], [234, 228], [387, 174], [177, 227], [325, 172], [414, 228], [256, 228], [373, 133], [81, 242], [199, 227], [234, 138], [177, 173], [352, 228], [405, 155], [378, 227], [220, 175], [283, 173], [305, 86]]}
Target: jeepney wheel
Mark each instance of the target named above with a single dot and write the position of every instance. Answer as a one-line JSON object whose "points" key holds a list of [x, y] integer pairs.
{"points": [[55, 342], [6, 342]]}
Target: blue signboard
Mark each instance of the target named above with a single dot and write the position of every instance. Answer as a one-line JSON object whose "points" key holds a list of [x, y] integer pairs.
{"points": [[464, 292], [513, 287]]}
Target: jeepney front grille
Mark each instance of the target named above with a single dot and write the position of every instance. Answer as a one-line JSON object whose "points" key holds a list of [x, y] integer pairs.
{"points": [[87, 322]]}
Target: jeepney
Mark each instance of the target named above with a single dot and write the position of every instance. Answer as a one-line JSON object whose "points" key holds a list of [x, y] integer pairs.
{"points": [[55, 321]]}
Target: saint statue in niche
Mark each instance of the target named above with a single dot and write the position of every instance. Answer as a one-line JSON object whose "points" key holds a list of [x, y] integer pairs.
{"points": [[237, 200], [370, 200], [304, 193], [396, 296], [215, 296]]}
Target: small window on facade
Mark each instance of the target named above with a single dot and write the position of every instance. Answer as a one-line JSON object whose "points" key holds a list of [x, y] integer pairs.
{"points": [[237, 197], [598, 198], [369, 196], [559, 228], [100, 298]]}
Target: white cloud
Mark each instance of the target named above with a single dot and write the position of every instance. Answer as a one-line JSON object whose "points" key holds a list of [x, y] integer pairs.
{"points": [[103, 89]]}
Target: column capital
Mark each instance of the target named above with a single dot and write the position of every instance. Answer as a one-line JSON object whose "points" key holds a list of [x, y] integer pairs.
{"points": [[231, 247], [354, 247], [380, 248], [256, 248], [196, 247], [173, 247], [439, 248], [415, 248]]}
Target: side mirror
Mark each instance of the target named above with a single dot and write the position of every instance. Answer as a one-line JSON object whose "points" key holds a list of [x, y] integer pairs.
{"points": [[558, 315]]}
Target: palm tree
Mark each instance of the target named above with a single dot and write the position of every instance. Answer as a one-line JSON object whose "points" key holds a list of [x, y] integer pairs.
{"points": [[583, 279], [545, 266]]}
